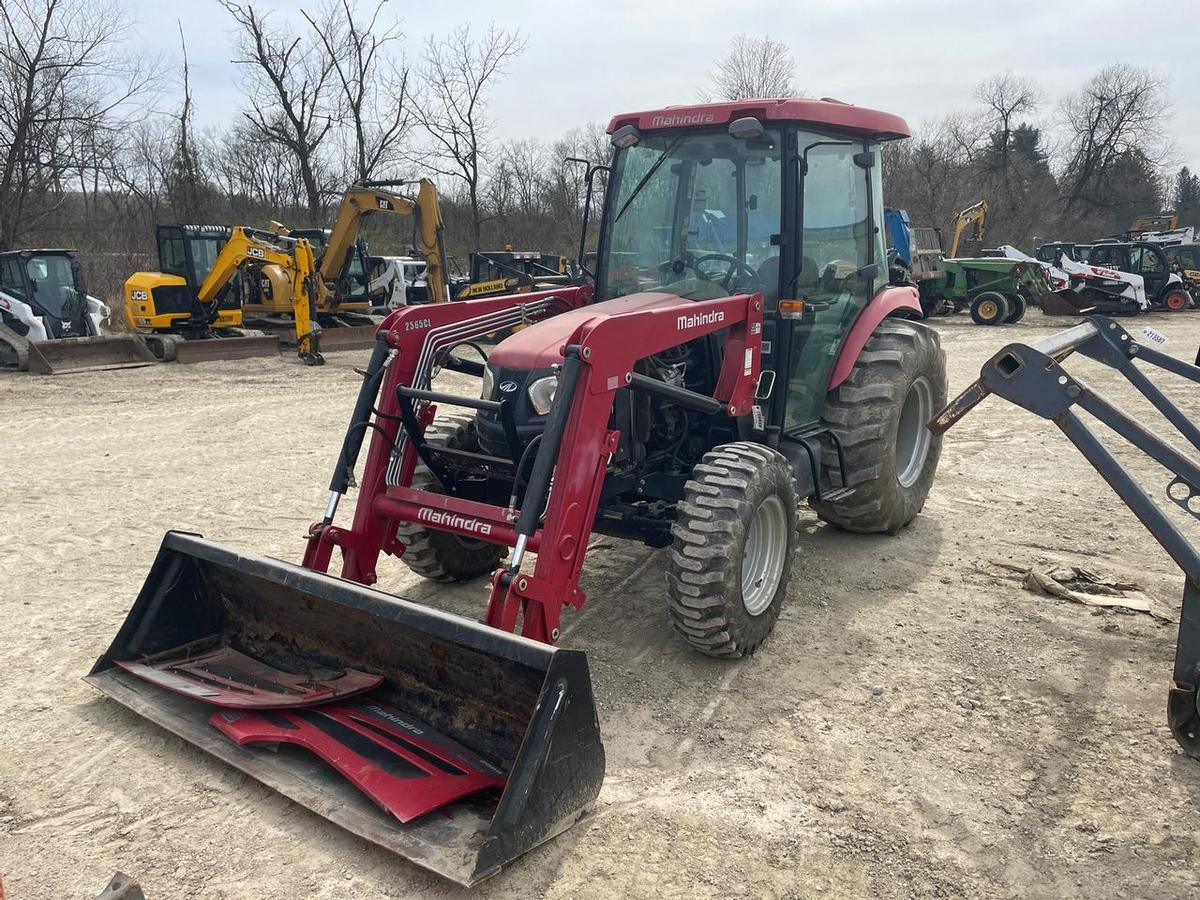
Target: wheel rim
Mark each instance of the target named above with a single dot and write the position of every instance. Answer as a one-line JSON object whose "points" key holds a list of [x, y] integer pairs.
{"points": [[763, 555], [1176, 301], [912, 437], [988, 309]]}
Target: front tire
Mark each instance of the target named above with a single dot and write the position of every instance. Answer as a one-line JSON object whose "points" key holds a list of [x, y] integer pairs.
{"points": [[1176, 300], [879, 414], [441, 555], [735, 538]]}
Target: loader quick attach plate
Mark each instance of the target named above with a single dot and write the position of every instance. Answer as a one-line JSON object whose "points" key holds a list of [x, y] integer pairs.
{"points": [[526, 706], [225, 677], [398, 761]]}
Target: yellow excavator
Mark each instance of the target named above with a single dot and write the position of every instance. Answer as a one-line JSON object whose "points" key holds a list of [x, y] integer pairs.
{"points": [[973, 215], [191, 310], [341, 287]]}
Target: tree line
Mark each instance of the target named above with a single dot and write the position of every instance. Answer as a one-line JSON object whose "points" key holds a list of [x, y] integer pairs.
{"points": [[94, 150]]}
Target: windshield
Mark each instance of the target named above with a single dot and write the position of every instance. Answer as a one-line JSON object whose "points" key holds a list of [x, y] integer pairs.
{"points": [[204, 253], [693, 214], [53, 280]]}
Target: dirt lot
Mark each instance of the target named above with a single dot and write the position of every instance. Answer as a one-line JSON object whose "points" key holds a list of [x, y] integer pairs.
{"points": [[845, 759]]}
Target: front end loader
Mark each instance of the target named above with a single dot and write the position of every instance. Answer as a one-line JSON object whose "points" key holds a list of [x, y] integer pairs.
{"points": [[49, 324], [738, 355]]}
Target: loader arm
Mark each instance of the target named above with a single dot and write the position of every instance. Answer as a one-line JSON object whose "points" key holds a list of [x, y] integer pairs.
{"points": [[293, 256], [1032, 376], [362, 200], [973, 215]]}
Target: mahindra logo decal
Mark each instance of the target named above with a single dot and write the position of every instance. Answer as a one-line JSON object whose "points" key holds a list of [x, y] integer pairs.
{"points": [[697, 319], [507, 387], [453, 520], [682, 119], [395, 720]]}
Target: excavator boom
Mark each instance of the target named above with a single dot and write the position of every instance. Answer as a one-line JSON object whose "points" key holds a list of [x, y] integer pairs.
{"points": [[973, 215], [294, 260], [367, 198]]}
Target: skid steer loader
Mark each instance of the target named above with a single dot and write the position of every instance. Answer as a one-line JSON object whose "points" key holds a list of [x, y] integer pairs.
{"points": [[50, 325], [691, 402]]}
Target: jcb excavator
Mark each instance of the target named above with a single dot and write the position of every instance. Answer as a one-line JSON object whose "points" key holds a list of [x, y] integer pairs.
{"points": [[197, 295], [340, 310], [973, 215]]}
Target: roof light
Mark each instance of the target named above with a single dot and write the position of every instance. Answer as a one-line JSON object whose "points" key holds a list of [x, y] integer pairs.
{"points": [[747, 128], [625, 136]]}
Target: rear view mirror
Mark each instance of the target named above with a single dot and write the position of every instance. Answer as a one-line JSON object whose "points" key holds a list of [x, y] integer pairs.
{"points": [[870, 272]]}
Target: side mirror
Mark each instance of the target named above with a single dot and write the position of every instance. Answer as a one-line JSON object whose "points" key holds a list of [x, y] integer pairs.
{"points": [[865, 159], [870, 273]]}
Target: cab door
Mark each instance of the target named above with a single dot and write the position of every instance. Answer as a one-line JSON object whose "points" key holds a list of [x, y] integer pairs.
{"points": [[841, 238]]}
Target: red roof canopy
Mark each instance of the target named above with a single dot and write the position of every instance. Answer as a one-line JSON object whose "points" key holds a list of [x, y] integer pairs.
{"points": [[828, 113]]}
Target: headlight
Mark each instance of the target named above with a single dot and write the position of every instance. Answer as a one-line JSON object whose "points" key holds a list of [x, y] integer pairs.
{"points": [[541, 394], [488, 381]]}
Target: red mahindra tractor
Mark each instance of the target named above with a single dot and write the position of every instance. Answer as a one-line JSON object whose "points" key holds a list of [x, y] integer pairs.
{"points": [[737, 355]]}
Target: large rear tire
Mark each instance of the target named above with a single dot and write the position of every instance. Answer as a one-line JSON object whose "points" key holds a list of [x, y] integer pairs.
{"points": [[440, 555], [731, 562], [879, 414]]}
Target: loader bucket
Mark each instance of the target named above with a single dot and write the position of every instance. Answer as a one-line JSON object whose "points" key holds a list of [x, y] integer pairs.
{"points": [[1065, 302], [525, 707], [66, 356]]}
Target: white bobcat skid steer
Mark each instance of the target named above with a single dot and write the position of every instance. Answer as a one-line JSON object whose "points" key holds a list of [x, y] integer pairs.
{"points": [[1097, 289]]}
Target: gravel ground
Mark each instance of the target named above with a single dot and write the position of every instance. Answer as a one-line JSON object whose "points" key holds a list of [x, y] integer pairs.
{"points": [[919, 725]]}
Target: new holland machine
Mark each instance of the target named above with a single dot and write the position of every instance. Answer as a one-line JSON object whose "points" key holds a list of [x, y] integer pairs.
{"points": [[691, 400], [191, 310], [50, 325]]}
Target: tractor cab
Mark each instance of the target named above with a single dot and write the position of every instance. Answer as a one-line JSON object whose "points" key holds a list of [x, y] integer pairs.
{"points": [[742, 199]]}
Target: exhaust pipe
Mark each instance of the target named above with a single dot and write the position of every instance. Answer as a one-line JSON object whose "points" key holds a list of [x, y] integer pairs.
{"points": [[522, 708]]}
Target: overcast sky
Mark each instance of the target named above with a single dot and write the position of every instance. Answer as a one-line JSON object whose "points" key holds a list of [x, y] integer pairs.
{"points": [[587, 61]]}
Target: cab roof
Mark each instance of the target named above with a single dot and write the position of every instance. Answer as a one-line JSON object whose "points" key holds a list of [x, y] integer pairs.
{"points": [[826, 113]]}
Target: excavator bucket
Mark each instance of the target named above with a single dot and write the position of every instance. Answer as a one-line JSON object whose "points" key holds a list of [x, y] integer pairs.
{"points": [[453, 744], [1065, 302], [66, 356]]}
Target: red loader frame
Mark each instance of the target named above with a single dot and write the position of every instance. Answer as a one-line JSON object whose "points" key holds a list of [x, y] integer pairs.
{"points": [[597, 360]]}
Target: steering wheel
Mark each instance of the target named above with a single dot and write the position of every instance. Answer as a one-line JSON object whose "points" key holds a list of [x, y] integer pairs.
{"points": [[734, 266], [689, 261]]}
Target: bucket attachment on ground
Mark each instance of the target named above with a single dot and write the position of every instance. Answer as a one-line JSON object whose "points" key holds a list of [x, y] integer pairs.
{"points": [[1065, 302], [66, 356], [353, 337], [226, 348], [494, 707]]}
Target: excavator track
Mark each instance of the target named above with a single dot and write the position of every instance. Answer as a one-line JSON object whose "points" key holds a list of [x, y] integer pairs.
{"points": [[14, 350]]}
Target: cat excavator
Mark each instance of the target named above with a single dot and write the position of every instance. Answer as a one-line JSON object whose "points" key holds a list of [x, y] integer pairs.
{"points": [[341, 295], [192, 309], [973, 215]]}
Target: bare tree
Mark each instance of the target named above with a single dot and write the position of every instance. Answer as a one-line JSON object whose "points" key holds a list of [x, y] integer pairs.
{"points": [[288, 86], [1120, 113], [373, 83], [753, 67], [63, 81], [451, 107]]}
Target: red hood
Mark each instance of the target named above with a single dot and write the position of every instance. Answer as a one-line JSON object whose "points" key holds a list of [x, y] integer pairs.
{"points": [[540, 346]]}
